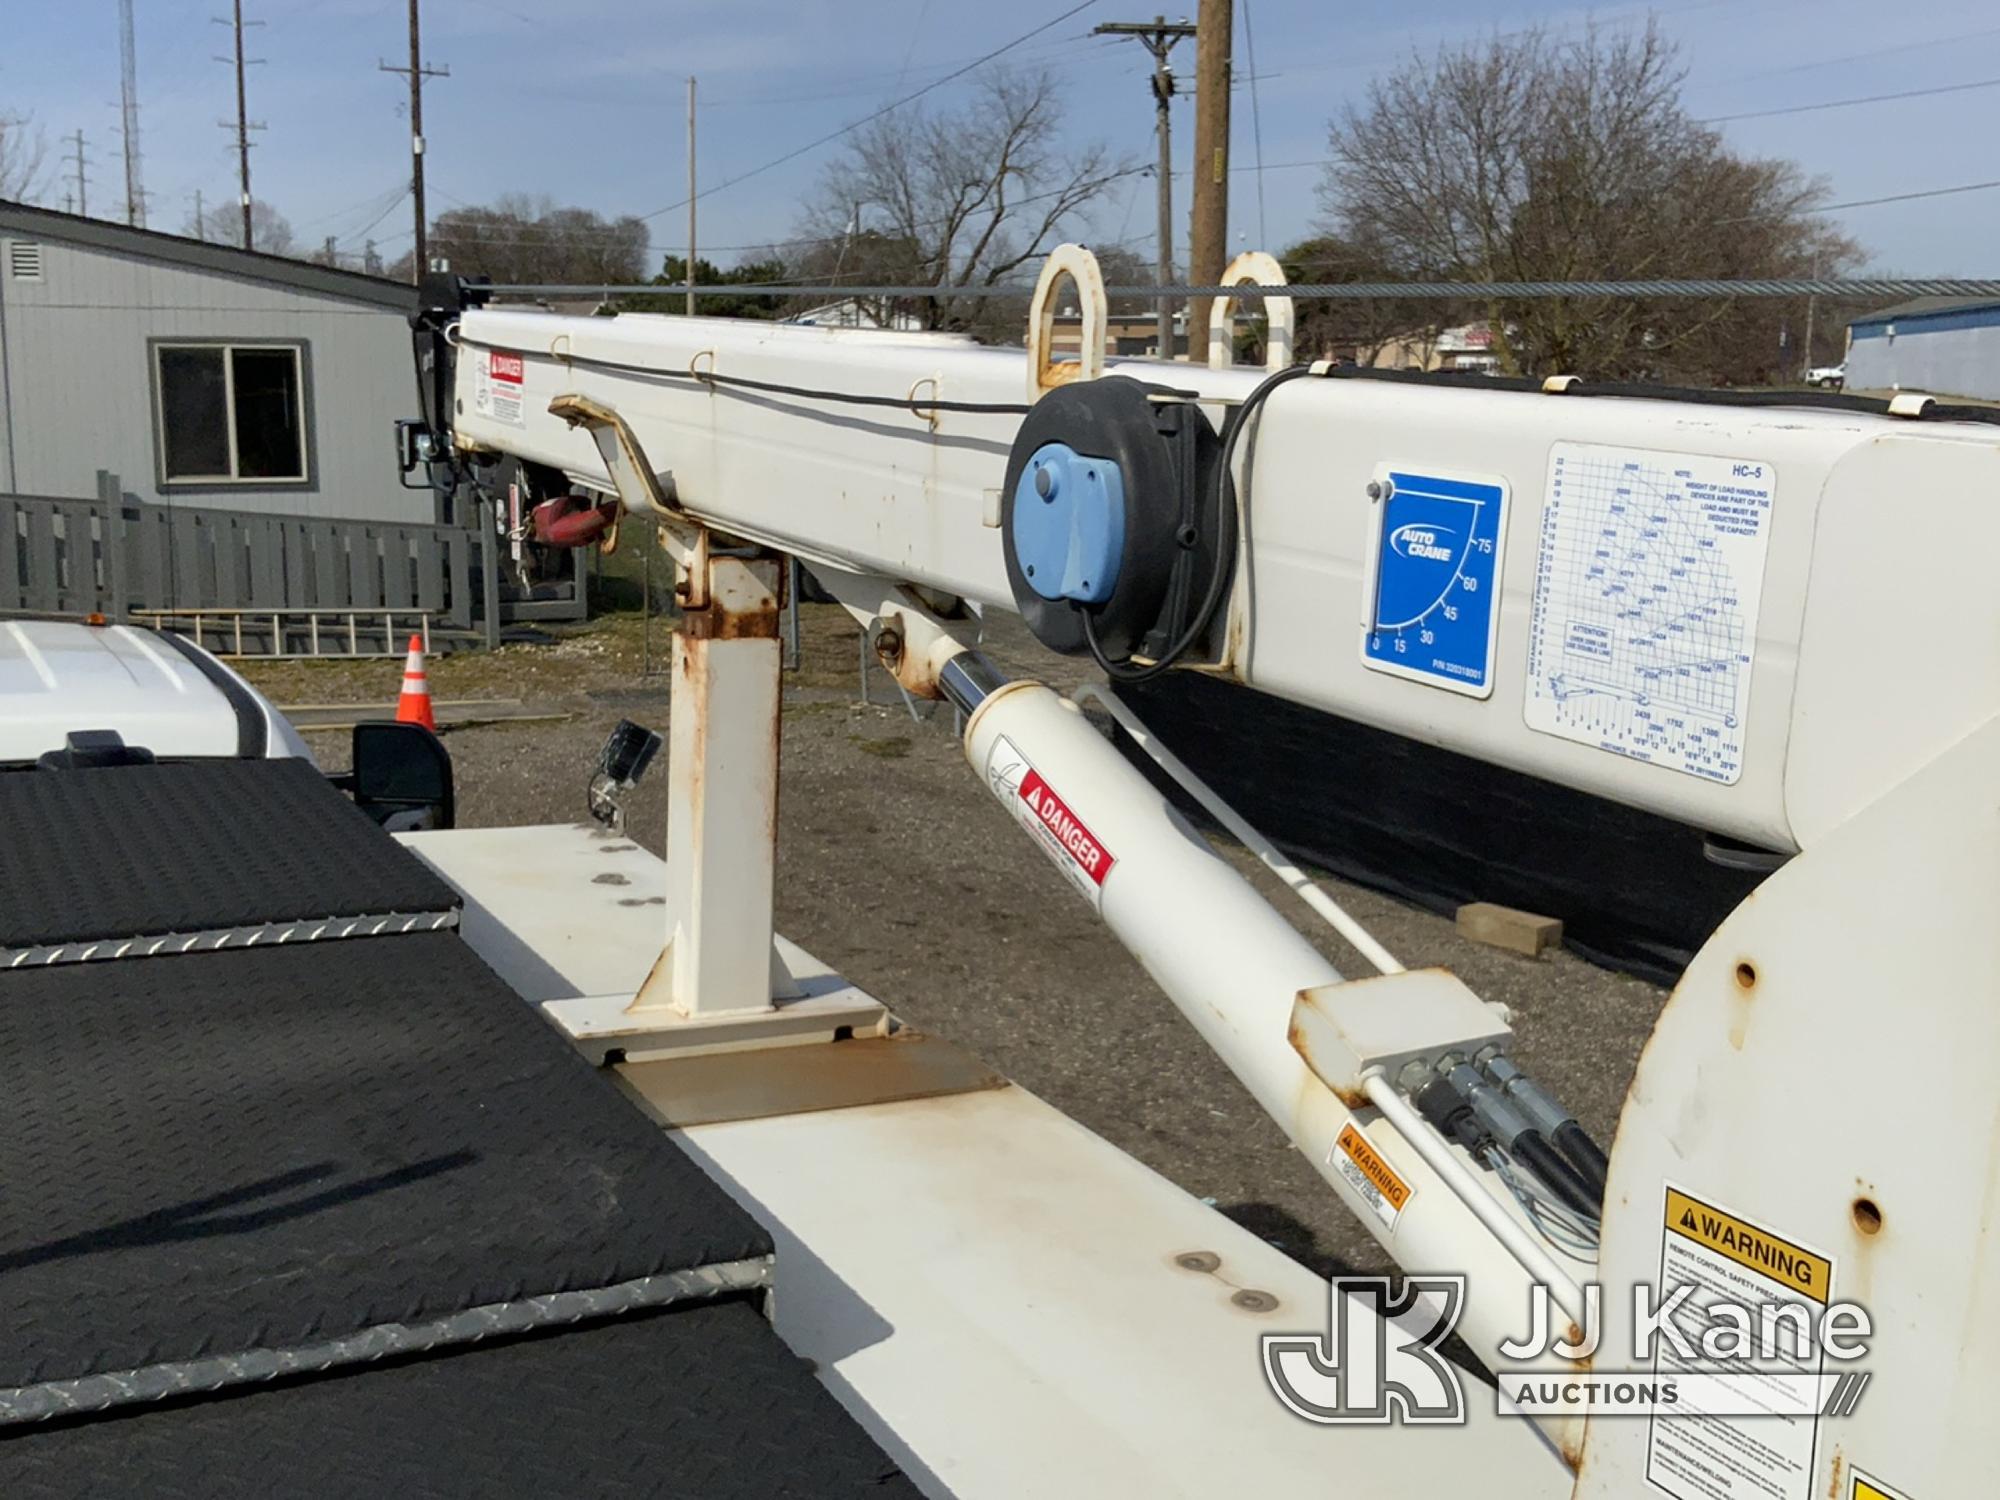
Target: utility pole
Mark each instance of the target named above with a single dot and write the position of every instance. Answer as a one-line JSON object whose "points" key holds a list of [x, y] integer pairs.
{"points": [[1208, 228], [1159, 36], [200, 224], [77, 174], [417, 73], [244, 125], [128, 100], [1810, 308], [690, 264]]}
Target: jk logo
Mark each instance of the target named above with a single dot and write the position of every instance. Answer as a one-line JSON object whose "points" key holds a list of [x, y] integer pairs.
{"points": [[1377, 1362]]}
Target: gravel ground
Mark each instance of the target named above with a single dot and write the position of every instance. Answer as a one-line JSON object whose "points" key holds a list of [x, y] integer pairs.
{"points": [[895, 866]]}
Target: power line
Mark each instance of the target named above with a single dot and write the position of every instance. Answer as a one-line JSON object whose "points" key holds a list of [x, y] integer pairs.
{"points": [[1256, 123], [394, 204], [1873, 53], [779, 242], [365, 205], [482, 234], [1062, 52], [814, 145], [1801, 109], [1827, 208]]}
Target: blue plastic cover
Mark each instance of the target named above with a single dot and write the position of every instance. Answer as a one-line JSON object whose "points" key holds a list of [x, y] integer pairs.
{"points": [[1069, 524]]}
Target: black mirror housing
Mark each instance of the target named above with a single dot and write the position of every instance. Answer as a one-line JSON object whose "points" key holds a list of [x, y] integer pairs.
{"points": [[402, 772]]}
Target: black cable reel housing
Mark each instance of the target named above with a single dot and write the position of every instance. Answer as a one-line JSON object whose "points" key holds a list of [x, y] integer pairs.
{"points": [[1112, 519]]}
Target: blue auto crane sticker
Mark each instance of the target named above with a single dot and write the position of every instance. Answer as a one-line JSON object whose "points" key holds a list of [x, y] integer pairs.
{"points": [[1433, 596]]}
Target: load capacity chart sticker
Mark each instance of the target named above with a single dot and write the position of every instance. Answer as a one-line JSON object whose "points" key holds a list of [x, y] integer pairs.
{"points": [[1433, 595], [1644, 626]]}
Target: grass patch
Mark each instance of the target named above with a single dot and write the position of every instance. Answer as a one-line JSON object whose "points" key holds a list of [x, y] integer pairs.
{"points": [[893, 748]]}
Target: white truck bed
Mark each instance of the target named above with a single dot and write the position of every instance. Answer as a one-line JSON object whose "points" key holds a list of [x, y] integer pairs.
{"points": [[989, 1287]]}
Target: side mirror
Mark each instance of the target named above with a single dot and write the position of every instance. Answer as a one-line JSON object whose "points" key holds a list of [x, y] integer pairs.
{"points": [[402, 776]]}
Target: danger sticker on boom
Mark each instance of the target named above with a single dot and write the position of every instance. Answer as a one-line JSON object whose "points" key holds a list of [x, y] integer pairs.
{"points": [[499, 387], [1040, 809]]}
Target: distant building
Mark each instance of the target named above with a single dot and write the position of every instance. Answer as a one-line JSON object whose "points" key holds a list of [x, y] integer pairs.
{"points": [[1126, 335], [199, 372], [1943, 345], [1467, 347], [852, 312]]}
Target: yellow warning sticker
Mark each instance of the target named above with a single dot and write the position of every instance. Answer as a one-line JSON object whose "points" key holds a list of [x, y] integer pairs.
{"points": [[1790, 1265], [1873, 1489], [1372, 1178]]}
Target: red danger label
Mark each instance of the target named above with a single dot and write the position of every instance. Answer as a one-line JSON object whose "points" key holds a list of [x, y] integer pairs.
{"points": [[1077, 841], [509, 367]]}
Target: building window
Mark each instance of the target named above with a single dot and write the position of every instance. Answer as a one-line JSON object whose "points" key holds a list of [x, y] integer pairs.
{"points": [[232, 413]]}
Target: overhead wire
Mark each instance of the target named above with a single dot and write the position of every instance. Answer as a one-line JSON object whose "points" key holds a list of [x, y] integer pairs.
{"points": [[1804, 109], [364, 230], [868, 119], [1256, 123]]}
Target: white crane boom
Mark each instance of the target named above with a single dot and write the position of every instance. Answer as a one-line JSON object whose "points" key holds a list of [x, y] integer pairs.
{"points": [[1763, 616]]}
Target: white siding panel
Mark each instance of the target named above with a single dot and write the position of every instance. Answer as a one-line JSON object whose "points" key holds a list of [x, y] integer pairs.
{"points": [[1950, 362], [78, 349]]}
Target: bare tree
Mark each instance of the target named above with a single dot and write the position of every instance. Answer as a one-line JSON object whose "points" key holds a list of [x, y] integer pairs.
{"points": [[1363, 330], [270, 231], [24, 155], [522, 238], [1536, 158], [952, 199]]}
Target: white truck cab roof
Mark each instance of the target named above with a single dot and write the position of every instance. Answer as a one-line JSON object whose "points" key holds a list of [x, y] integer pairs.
{"points": [[156, 690]]}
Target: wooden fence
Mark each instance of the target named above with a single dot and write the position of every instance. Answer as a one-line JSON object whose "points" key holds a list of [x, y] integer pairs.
{"points": [[117, 554]]}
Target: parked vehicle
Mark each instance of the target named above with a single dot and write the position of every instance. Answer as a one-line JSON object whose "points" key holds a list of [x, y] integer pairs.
{"points": [[75, 695]]}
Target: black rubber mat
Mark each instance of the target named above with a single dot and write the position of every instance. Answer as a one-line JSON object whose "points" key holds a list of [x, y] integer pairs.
{"points": [[140, 850], [702, 1403], [259, 1149]]}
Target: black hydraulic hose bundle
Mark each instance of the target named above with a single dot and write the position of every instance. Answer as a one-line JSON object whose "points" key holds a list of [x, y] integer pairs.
{"points": [[1516, 1133], [1555, 1123], [1553, 1168]]}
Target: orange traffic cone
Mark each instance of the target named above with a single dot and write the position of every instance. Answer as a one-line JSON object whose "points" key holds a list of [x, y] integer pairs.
{"points": [[414, 707]]}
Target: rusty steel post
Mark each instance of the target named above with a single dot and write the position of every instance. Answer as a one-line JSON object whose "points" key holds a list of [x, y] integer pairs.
{"points": [[722, 787]]}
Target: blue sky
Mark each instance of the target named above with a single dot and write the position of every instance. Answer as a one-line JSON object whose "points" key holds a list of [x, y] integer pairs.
{"points": [[584, 101]]}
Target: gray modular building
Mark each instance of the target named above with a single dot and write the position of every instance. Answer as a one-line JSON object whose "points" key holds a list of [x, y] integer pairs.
{"points": [[1940, 345], [199, 373]]}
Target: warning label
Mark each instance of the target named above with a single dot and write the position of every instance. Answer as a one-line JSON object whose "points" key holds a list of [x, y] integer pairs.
{"points": [[1873, 1489], [1750, 1247], [1036, 805], [1730, 1264], [1372, 1178], [498, 379]]}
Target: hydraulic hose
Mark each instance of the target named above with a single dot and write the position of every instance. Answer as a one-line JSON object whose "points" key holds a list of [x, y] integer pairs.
{"points": [[1519, 1138], [1548, 1116]]}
